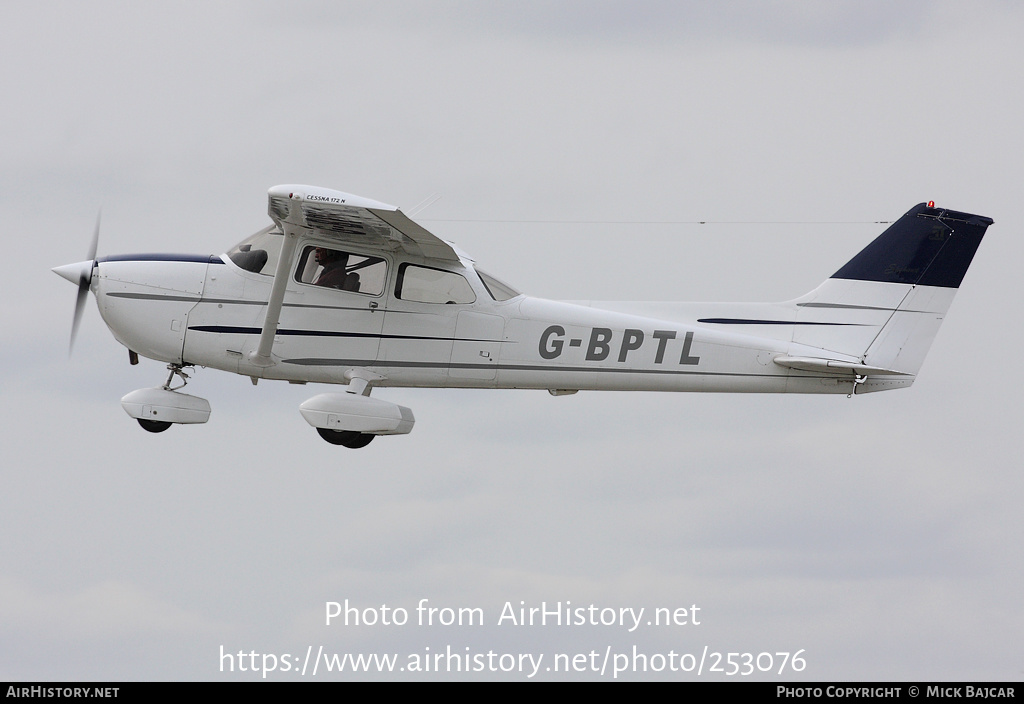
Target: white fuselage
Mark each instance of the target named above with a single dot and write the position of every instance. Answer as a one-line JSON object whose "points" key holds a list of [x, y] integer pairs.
{"points": [[209, 312], [340, 289]]}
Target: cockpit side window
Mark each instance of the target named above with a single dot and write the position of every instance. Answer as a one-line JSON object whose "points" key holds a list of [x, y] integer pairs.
{"points": [[259, 253], [425, 285], [345, 271]]}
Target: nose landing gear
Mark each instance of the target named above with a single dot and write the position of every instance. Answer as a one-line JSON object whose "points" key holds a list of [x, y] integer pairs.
{"points": [[157, 409]]}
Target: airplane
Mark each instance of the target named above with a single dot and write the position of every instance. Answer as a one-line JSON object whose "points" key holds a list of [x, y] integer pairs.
{"points": [[341, 289]]}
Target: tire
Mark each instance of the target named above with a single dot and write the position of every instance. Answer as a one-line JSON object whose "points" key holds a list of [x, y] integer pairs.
{"points": [[154, 426], [347, 438]]}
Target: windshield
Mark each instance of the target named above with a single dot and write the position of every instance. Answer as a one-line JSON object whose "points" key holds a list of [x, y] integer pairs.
{"points": [[260, 252], [499, 290]]}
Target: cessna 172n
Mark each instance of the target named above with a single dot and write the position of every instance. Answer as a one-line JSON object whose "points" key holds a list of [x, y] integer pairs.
{"points": [[345, 290]]}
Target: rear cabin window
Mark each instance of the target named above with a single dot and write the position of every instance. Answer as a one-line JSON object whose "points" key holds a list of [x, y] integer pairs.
{"points": [[426, 285]]}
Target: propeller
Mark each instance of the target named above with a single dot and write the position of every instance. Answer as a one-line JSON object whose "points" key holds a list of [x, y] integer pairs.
{"points": [[81, 274]]}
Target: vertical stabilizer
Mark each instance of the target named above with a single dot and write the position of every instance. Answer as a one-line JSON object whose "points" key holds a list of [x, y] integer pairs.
{"points": [[883, 308]]}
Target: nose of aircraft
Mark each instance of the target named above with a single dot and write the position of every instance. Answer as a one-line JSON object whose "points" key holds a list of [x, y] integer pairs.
{"points": [[81, 274], [75, 273]]}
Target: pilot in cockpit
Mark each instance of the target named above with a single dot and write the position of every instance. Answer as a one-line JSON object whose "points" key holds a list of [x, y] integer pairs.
{"points": [[334, 274], [333, 263]]}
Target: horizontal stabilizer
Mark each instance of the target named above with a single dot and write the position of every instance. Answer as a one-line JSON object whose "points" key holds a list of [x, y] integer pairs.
{"points": [[835, 366]]}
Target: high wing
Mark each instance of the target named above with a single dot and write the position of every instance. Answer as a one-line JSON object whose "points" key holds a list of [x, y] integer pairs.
{"points": [[346, 219], [351, 219]]}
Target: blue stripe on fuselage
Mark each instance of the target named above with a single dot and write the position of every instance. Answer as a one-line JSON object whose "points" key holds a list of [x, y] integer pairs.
{"points": [[161, 257]]}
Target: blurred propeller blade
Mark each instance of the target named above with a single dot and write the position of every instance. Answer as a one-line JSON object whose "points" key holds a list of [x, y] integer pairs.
{"points": [[84, 281], [95, 237]]}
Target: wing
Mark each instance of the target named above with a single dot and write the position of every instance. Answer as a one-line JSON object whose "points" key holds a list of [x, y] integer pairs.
{"points": [[351, 219], [346, 219]]}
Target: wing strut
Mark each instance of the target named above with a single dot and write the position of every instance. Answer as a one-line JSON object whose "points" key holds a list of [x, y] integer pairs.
{"points": [[261, 356]]}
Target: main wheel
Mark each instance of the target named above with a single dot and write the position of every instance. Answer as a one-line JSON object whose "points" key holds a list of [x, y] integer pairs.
{"points": [[347, 438], [154, 426]]}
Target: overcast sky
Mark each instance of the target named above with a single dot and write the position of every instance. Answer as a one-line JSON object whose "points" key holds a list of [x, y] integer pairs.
{"points": [[881, 535]]}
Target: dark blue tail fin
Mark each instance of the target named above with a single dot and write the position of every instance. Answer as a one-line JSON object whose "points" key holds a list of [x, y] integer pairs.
{"points": [[928, 247]]}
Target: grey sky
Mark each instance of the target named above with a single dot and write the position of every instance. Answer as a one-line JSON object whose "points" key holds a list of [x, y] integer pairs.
{"points": [[881, 534]]}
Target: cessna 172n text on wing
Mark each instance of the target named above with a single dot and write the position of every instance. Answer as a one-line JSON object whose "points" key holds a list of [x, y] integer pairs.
{"points": [[341, 289]]}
